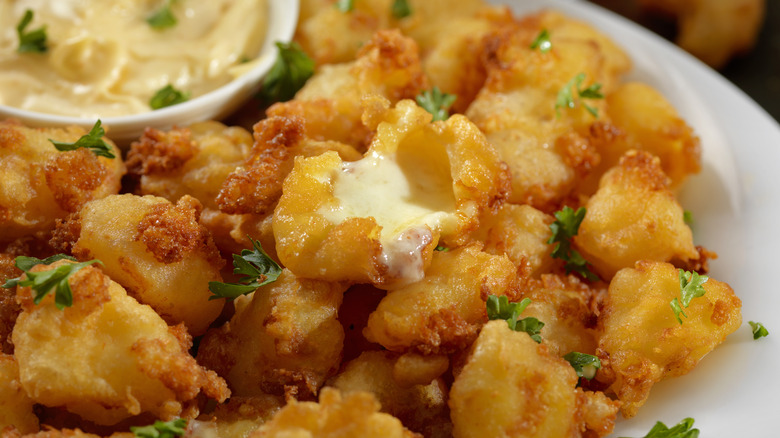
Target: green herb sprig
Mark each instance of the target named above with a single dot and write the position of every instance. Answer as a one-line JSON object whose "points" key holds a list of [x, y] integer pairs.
{"points": [[162, 18], [499, 307], [680, 430], [161, 429], [759, 331], [167, 96], [542, 42], [257, 268], [585, 365], [566, 225], [44, 282], [293, 67], [401, 9], [345, 5], [33, 41], [436, 103], [690, 287], [566, 97], [93, 141]]}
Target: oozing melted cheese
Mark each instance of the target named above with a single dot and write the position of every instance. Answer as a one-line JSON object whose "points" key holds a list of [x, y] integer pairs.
{"points": [[408, 201], [105, 60]]}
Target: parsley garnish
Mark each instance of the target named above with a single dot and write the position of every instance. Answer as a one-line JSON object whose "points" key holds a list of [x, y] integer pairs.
{"points": [[565, 97], [45, 281], [258, 268], [759, 331], [33, 41], [161, 429], [401, 9], [681, 430], [542, 42], [441, 248], [690, 288], [345, 5], [167, 96], [163, 18], [93, 141], [566, 225], [585, 365], [688, 218], [499, 307], [293, 67], [436, 103]]}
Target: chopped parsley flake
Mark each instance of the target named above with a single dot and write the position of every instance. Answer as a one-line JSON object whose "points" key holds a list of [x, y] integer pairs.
{"points": [[690, 287], [293, 67], [566, 97], [93, 141], [257, 268], [167, 96], [542, 42], [499, 307], [33, 41], [44, 282], [566, 225], [436, 103], [161, 429], [759, 331]]}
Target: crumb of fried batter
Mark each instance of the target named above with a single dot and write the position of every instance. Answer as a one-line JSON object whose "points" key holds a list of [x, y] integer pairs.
{"points": [[73, 177], [159, 151]]}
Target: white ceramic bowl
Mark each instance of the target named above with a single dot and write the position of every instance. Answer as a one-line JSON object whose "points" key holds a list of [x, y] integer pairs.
{"points": [[283, 18]]}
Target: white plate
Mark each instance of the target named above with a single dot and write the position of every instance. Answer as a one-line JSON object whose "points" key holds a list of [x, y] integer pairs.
{"points": [[735, 390]]}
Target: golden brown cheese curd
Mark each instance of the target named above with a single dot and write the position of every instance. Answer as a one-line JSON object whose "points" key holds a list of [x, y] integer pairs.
{"points": [[444, 311], [378, 219], [42, 184], [354, 415], [511, 386], [330, 103], [193, 161], [237, 417], [516, 109], [284, 339], [634, 216], [16, 407], [642, 341], [157, 250], [421, 407], [108, 357]]}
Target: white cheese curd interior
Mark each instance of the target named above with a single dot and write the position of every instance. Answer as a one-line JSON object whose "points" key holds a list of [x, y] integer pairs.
{"points": [[105, 60], [410, 195]]}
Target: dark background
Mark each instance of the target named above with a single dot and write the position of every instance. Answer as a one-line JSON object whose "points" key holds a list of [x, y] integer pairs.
{"points": [[757, 73]]}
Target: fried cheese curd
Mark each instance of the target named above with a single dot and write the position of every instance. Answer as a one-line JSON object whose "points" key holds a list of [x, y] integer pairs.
{"points": [[544, 143], [642, 342], [714, 31], [330, 103], [41, 184], [107, 357], [16, 407], [634, 216], [157, 250], [378, 219], [285, 339], [511, 386]]}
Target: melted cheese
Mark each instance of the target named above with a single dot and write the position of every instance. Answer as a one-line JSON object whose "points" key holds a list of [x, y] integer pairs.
{"points": [[105, 60], [409, 203]]}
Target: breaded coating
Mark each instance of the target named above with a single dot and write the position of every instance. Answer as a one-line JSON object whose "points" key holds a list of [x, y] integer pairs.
{"points": [[256, 185], [107, 357], [378, 219], [193, 161], [157, 250], [286, 339], [642, 342], [49, 432], [9, 308], [42, 184], [568, 309], [521, 233], [518, 106], [422, 408], [512, 387], [350, 416], [444, 311], [16, 407], [330, 103], [634, 216], [714, 31]]}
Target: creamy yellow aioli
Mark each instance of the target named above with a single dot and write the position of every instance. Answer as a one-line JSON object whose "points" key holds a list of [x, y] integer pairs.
{"points": [[408, 203], [105, 60]]}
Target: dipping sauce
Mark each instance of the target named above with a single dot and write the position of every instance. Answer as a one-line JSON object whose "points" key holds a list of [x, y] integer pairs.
{"points": [[104, 59]]}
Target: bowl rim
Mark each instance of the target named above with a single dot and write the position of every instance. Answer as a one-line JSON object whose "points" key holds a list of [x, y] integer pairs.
{"points": [[282, 22]]}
